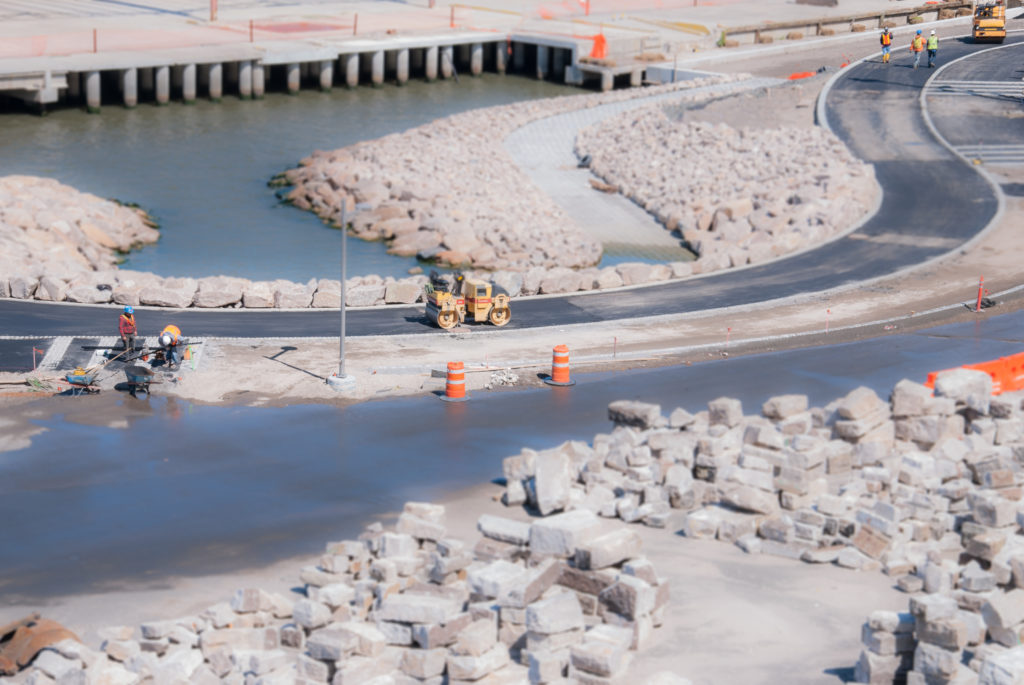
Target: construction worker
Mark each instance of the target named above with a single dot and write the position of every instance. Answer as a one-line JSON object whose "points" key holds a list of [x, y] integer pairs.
{"points": [[917, 47], [933, 48], [170, 341], [126, 328], [886, 41]]}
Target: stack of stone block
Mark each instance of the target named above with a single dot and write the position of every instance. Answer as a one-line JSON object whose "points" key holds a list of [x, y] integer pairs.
{"points": [[904, 486], [566, 596], [887, 655]]}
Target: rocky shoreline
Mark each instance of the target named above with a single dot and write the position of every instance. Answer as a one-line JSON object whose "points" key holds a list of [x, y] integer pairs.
{"points": [[736, 197], [441, 192]]}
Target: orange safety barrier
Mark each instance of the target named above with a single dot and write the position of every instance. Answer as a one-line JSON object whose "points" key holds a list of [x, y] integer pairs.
{"points": [[1007, 373], [455, 383], [560, 367], [801, 74]]}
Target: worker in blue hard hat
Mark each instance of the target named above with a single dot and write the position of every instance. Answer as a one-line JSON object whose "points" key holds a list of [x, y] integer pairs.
{"points": [[126, 328], [917, 47]]}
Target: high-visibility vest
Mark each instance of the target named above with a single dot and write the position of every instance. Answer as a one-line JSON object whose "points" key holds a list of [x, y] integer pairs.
{"points": [[129, 322], [917, 45], [933, 42], [886, 39], [174, 332]]}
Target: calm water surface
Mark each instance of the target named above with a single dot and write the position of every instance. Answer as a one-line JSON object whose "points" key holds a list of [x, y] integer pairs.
{"points": [[202, 170]]}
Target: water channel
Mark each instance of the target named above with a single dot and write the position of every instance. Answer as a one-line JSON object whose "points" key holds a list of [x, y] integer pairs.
{"points": [[202, 170], [179, 489]]}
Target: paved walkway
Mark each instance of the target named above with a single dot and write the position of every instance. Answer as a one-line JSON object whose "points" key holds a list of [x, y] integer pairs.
{"points": [[544, 149]]}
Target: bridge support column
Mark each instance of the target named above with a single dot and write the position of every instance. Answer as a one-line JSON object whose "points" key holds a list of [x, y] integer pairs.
{"points": [[607, 81], [501, 57], [162, 78], [447, 63], [476, 59], [216, 75], [130, 87], [294, 77], [351, 70], [188, 84], [326, 75], [377, 68], [402, 67], [543, 61], [259, 81], [92, 92], [245, 79], [430, 70]]}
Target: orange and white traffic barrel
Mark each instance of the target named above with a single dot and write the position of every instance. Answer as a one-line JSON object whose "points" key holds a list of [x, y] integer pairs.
{"points": [[455, 383], [560, 367]]}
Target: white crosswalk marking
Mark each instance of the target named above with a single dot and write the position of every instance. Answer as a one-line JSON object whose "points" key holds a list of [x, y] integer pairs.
{"points": [[1000, 89], [994, 154], [99, 356], [54, 355]]}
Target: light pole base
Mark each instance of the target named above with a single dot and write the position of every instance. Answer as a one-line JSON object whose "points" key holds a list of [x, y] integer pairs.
{"points": [[344, 383]]}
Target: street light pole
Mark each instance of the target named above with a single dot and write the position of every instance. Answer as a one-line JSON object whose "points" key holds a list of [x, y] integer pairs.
{"points": [[344, 264], [341, 381]]}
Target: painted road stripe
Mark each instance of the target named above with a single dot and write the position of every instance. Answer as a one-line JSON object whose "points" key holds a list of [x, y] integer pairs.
{"points": [[994, 154], [55, 354], [1010, 89], [98, 356]]}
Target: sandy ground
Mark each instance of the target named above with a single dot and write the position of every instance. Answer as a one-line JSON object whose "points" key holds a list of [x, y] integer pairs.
{"points": [[735, 618]]}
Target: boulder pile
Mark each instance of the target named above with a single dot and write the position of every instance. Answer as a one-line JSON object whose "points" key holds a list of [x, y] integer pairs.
{"points": [[862, 483], [53, 238], [735, 196], [925, 487], [563, 596], [449, 191]]}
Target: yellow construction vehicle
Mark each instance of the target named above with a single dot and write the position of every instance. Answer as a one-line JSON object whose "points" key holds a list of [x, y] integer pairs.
{"points": [[989, 23], [449, 300]]}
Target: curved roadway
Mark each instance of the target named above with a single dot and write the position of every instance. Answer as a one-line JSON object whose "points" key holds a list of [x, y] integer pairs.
{"points": [[930, 206]]}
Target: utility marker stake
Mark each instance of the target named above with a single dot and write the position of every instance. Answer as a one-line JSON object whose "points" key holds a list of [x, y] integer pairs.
{"points": [[827, 312], [615, 347], [981, 290], [728, 333]]}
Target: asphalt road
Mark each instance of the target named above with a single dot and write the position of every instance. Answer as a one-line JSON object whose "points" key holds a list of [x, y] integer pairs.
{"points": [[931, 204]]}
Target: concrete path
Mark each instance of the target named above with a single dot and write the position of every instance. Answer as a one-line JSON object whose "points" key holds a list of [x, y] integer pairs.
{"points": [[544, 149]]}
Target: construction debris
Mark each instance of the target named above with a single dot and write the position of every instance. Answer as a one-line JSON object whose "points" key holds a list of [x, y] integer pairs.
{"points": [[502, 377]]}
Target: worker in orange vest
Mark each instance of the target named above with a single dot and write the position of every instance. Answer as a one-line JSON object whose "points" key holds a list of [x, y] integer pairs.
{"points": [[917, 47], [886, 41], [170, 341], [126, 328]]}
